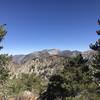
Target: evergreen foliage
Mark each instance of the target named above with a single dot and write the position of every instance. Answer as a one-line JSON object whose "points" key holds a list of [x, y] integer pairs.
{"points": [[4, 60], [75, 81], [27, 82]]}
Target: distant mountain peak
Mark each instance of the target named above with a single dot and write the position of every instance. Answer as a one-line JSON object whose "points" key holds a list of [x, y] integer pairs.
{"points": [[54, 51]]}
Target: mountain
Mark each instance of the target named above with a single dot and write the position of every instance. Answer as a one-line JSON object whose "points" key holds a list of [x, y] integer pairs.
{"points": [[43, 63], [19, 59]]}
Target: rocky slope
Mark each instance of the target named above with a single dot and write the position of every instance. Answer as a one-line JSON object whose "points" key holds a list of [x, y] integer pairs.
{"points": [[43, 63]]}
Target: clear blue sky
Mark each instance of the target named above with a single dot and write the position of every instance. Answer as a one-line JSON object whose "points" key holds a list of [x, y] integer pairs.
{"points": [[44, 24]]}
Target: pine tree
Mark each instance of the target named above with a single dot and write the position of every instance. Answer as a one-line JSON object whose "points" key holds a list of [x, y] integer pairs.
{"points": [[2, 33], [4, 59], [96, 59]]}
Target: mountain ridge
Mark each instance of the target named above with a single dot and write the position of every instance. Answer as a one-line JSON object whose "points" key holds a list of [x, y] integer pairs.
{"points": [[18, 58], [43, 63], [36, 54]]}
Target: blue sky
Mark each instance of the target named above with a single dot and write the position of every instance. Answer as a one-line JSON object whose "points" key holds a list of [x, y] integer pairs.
{"points": [[35, 25]]}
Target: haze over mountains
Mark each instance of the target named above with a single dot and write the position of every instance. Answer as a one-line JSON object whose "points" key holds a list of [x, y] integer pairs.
{"points": [[50, 52], [38, 54]]}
